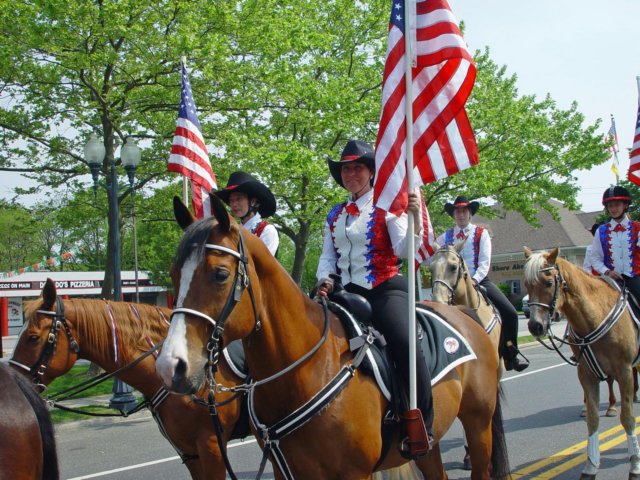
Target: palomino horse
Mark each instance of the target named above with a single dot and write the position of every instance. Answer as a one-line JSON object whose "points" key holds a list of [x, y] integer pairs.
{"points": [[452, 284], [27, 442], [602, 336], [295, 348], [58, 332]]}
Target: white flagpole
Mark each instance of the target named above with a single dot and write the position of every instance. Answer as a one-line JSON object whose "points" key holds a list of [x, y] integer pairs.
{"points": [[409, 27], [185, 181]]}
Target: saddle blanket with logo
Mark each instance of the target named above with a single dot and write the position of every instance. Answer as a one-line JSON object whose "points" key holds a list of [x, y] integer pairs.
{"points": [[443, 347]]}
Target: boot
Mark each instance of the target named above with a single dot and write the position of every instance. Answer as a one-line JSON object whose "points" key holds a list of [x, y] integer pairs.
{"points": [[512, 360], [466, 462], [418, 441]]}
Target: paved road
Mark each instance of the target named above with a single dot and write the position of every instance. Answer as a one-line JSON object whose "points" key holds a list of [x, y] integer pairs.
{"points": [[546, 436]]}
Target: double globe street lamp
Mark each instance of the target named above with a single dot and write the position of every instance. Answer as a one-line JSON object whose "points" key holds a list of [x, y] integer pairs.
{"points": [[94, 154]]}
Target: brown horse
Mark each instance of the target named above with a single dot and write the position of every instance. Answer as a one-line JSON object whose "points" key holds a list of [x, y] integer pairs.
{"points": [[602, 336], [27, 442], [48, 348], [295, 348]]}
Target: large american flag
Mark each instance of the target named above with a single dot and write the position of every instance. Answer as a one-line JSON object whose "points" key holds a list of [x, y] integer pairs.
{"points": [[443, 76], [634, 156], [189, 154]]}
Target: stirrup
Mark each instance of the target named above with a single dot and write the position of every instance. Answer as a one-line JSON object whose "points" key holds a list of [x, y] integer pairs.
{"points": [[418, 442]]}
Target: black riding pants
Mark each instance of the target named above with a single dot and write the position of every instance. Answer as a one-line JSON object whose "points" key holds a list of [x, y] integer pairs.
{"points": [[633, 284], [389, 302], [507, 311]]}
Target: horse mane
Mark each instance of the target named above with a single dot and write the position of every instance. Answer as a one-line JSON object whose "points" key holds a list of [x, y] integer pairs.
{"points": [[94, 324], [195, 236]]}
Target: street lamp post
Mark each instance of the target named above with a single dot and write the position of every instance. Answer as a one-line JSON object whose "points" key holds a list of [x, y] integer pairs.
{"points": [[94, 153], [130, 155]]}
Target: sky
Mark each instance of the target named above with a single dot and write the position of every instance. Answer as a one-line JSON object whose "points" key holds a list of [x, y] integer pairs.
{"points": [[586, 51], [576, 50]]}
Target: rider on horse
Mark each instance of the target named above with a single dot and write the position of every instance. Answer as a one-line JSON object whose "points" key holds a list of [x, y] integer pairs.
{"points": [[616, 247], [251, 201], [477, 256], [363, 244]]}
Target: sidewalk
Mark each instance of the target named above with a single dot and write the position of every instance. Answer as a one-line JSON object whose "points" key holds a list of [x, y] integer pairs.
{"points": [[8, 344]]}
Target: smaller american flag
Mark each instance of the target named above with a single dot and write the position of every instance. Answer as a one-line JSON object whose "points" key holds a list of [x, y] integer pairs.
{"points": [[189, 155], [612, 138], [634, 156]]}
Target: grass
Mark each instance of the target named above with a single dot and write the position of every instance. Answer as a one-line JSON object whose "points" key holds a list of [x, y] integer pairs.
{"points": [[76, 376]]}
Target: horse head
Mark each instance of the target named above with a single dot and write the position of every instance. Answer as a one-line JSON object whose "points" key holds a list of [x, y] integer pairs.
{"points": [[544, 283], [448, 274], [41, 350], [211, 273]]}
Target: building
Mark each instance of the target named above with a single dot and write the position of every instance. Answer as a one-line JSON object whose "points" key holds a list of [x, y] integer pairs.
{"points": [[510, 233], [27, 286]]}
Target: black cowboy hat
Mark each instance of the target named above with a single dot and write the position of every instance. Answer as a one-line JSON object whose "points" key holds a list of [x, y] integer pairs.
{"points": [[243, 182], [354, 151], [461, 202]]}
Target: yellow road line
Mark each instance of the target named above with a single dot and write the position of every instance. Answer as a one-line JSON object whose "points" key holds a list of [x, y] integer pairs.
{"points": [[564, 457]]}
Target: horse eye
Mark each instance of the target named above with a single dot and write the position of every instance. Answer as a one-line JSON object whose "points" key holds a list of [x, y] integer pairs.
{"points": [[220, 275], [548, 284], [33, 339]]}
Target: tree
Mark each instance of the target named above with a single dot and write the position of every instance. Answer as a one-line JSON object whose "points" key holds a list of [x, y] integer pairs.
{"points": [[279, 85]]}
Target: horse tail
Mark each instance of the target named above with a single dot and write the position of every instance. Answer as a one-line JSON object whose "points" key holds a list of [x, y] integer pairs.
{"points": [[50, 468], [499, 456]]}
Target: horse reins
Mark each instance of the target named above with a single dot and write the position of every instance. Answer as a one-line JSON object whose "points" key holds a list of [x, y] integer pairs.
{"points": [[583, 343]]}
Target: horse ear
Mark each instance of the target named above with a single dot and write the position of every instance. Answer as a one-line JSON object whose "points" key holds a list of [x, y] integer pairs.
{"points": [[527, 252], [553, 256], [219, 212], [49, 294], [182, 213], [460, 245]]}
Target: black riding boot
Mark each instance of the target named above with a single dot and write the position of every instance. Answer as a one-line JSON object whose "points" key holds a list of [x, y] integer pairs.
{"points": [[512, 360]]}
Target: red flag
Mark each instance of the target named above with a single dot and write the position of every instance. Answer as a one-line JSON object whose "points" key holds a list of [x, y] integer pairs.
{"points": [[189, 154], [634, 156], [443, 76]]}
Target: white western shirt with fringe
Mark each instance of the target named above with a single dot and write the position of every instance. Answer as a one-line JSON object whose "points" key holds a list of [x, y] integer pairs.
{"points": [[476, 251], [364, 248], [616, 246]]}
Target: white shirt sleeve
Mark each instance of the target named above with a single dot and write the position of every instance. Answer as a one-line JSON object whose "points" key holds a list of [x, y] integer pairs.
{"points": [[269, 237], [397, 228], [484, 257], [586, 264], [597, 254], [328, 257]]}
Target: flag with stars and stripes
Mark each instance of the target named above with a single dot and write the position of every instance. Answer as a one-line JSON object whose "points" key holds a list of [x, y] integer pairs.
{"points": [[189, 154], [634, 155], [443, 74]]}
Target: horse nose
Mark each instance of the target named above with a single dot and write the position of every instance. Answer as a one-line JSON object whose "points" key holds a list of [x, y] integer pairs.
{"points": [[535, 328]]}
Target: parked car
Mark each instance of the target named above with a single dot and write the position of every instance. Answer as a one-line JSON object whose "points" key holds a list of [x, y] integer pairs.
{"points": [[525, 306]]}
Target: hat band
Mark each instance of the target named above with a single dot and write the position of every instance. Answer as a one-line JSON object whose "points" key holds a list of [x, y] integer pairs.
{"points": [[612, 199], [460, 205], [350, 157]]}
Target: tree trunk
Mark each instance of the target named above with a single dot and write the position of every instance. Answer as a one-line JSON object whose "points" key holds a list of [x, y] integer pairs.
{"points": [[302, 238]]}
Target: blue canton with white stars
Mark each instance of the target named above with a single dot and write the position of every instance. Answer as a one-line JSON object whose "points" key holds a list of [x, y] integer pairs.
{"points": [[187, 107]]}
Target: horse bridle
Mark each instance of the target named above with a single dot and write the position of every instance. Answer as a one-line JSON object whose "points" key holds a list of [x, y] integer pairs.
{"points": [[452, 289], [551, 307], [59, 321], [241, 281]]}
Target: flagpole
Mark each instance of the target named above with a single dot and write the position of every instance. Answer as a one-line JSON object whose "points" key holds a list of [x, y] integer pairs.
{"points": [[411, 274], [185, 181], [616, 163]]}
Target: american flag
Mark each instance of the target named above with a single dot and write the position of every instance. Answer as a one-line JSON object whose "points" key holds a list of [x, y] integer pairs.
{"points": [[634, 156], [189, 154], [443, 76]]}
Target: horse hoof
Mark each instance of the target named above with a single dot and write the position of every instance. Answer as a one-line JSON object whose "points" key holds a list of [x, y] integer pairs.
{"points": [[583, 413], [612, 412], [587, 476], [634, 476]]}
